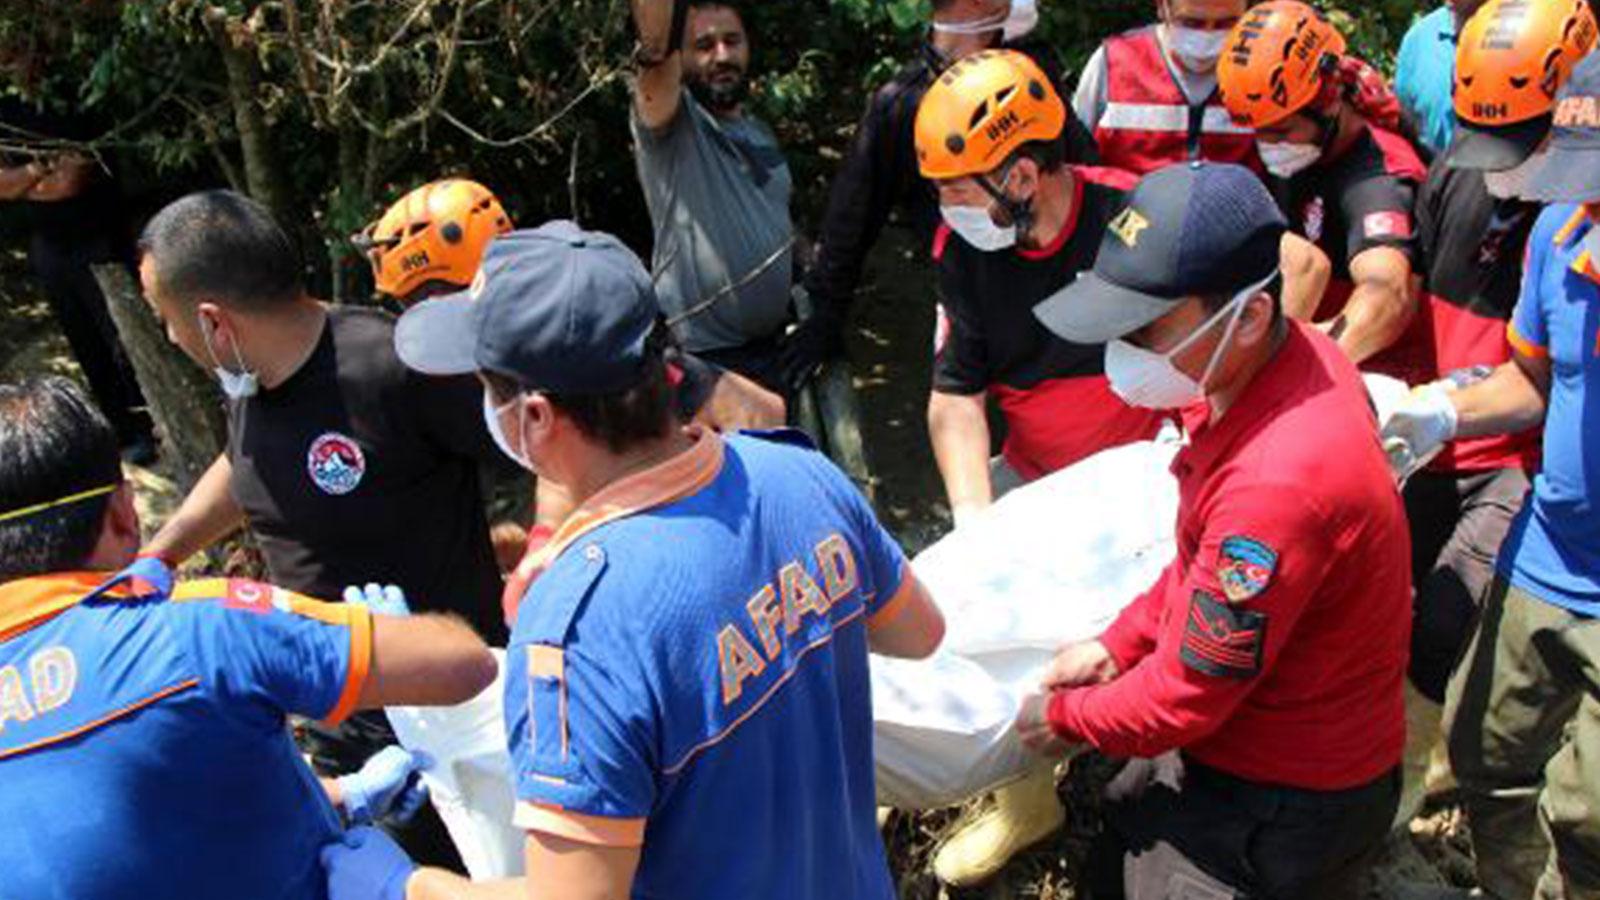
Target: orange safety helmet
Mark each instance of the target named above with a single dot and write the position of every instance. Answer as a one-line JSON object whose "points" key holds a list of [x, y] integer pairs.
{"points": [[982, 109], [436, 234], [1276, 62], [1513, 54]]}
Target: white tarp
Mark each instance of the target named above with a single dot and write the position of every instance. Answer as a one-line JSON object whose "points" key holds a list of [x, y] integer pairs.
{"points": [[470, 780], [1050, 562], [1053, 561]]}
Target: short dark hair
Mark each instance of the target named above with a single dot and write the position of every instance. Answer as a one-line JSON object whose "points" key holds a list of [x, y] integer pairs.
{"points": [[224, 247], [54, 443], [1050, 155], [620, 420], [1273, 288]]}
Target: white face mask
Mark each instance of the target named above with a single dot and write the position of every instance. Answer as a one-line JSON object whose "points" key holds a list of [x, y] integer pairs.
{"points": [[1510, 183], [1017, 22], [1148, 379], [491, 418], [1194, 49], [1285, 160], [977, 227], [238, 385], [1022, 19]]}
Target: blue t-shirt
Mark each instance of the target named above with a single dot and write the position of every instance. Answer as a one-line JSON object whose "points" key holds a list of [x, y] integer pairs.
{"points": [[1424, 76], [144, 749], [1553, 548], [691, 672]]}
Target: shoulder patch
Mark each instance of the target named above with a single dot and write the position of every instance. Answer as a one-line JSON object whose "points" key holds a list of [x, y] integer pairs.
{"points": [[1223, 640], [1245, 567], [792, 436], [1389, 223]]}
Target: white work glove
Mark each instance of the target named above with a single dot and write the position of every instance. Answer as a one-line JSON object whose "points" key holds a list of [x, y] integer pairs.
{"points": [[1419, 428]]}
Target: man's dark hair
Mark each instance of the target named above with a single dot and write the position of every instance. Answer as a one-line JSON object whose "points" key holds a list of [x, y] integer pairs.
{"points": [[735, 5], [1049, 155], [621, 420], [223, 247], [1274, 288], [54, 443]]}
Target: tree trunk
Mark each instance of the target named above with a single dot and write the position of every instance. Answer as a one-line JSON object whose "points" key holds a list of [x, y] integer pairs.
{"points": [[184, 403], [261, 175]]}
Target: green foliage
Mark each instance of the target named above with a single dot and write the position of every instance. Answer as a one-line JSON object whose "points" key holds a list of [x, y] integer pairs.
{"points": [[363, 99]]}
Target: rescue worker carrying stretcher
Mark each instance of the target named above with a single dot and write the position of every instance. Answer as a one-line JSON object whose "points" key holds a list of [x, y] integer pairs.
{"points": [[1325, 127]]}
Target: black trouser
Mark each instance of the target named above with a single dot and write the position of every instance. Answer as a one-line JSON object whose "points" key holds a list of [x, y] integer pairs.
{"points": [[1458, 522], [342, 750], [62, 267], [1178, 830]]}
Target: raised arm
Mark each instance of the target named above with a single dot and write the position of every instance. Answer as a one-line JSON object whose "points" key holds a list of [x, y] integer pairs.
{"points": [[658, 88]]}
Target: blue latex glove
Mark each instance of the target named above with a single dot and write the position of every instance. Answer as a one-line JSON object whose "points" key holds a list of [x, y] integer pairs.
{"points": [[366, 865], [386, 786], [385, 600]]}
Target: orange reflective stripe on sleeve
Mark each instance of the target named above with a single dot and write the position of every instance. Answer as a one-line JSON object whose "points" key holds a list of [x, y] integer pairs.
{"points": [[896, 603], [359, 620], [585, 829], [1523, 345]]}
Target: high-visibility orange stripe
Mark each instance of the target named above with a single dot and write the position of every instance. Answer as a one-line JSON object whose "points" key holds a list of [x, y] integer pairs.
{"points": [[114, 714], [1523, 345], [359, 620], [896, 605]]}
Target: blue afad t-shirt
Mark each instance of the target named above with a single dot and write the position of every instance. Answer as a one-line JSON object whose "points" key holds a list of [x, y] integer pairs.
{"points": [[690, 673], [1553, 548], [144, 750]]}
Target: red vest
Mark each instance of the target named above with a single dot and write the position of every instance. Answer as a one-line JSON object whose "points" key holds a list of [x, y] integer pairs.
{"points": [[1147, 122]]}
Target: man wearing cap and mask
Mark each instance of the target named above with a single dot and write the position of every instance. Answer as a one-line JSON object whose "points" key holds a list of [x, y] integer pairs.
{"points": [[879, 173], [1523, 708], [1325, 127], [1149, 95], [689, 674], [1270, 653], [1472, 227]]}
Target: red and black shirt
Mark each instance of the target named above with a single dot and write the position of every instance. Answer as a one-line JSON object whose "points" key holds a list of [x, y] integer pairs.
{"points": [[1471, 246], [1054, 395], [1357, 201]]}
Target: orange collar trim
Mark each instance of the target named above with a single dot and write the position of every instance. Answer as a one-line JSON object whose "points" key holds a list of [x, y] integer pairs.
{"points": [[682, 475], [1564, 233], [26, 602]]}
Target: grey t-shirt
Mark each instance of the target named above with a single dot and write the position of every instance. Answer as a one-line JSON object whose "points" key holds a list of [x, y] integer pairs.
{"points": [[718, 193]]}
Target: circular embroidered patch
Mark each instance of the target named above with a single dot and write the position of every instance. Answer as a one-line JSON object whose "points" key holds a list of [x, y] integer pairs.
{"points": [[335, 463]]}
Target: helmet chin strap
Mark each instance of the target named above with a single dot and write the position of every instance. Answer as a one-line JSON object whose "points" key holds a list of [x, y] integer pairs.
{"points": [[1020, 212]]}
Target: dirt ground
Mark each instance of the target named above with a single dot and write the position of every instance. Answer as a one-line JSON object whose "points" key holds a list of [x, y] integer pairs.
{"points": [[890, 344]]}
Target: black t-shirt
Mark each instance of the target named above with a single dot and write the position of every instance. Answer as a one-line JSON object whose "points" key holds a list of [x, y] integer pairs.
{"points": [[988, 334], [1356, 202], [1053, 393], [358, 470], [98, 210], [1470, 242]]}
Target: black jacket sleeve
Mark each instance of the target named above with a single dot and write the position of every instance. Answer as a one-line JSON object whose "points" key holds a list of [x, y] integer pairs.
{"points": [[878, 172]]}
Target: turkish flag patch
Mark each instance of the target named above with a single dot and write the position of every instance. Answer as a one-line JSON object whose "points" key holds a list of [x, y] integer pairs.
{"points": [[250, 596], [1391, 223], [1223, 640]]}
